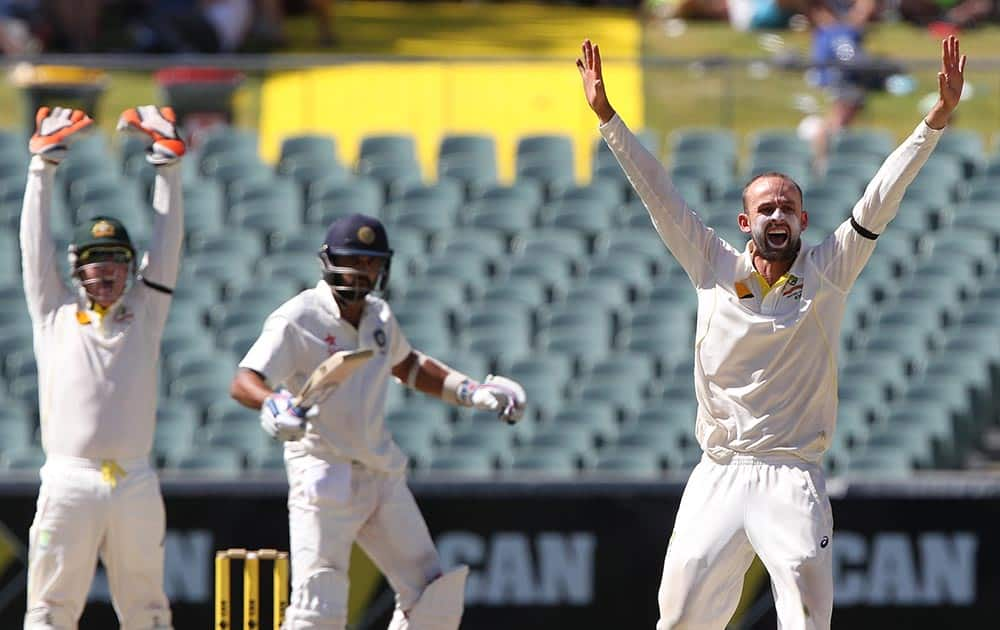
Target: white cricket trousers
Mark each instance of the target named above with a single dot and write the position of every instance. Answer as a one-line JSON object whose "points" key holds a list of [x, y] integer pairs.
{"points": [[331, 505], [777, 508], [89, 509]]}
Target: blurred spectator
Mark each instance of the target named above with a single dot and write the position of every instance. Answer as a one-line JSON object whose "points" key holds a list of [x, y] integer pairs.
{"points": [[19, 23], [271, 16], [187, 26], [841, 65], [743, 15], [942, 14], [75, 23]]}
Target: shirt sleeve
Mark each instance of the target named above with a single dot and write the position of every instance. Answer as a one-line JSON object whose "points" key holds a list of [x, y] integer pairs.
{"points": [[695, 246], [843, 254], [159, 271], [273, 354], [399, 345], [44, 289]]}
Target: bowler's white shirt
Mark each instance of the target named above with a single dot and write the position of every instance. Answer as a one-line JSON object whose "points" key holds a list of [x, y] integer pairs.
{"points": [[766, 357], [304, 332]]}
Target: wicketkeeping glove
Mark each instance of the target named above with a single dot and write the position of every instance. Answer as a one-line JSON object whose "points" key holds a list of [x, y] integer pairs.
{"points": [[281, 419], [55, 129], [159, 125], [502, 395]]}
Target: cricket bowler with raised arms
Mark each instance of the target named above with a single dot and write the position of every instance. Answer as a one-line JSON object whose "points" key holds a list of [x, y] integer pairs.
{"points": [[765, 362]]}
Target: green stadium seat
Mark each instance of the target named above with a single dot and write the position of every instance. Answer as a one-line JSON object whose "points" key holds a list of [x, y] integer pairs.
{"points": [[543, 377], [432, 291], [629, 461], [784, 141], [544, 461], [423, 214], [302, 270], [424, 412], [471, 363], [553, 268], [603, 192], [525, 291], [388, 148], [880, 462], [17, 429], [550, 239], [417, 442], [357, 194], [578, 342], [635, 271], [461, 240], [588, 217], [599, 416], [519, 193], [313, 146], [215, 460], [967, 146], [267, 216], [395, 177], [229, 140], [28, 458], [871, 141], [447, 193], [462, 462], [611, 294], [232, 242], [492, 436], [578, 440], [507, 216], [307, 172], [174, 437], [204, 207], [204, 388], [455, 148], [693, 139]]}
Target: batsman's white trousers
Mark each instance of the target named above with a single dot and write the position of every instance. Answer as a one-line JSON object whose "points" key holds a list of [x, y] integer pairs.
{"points": [[333, 504], [89, 509], [777, 508]]}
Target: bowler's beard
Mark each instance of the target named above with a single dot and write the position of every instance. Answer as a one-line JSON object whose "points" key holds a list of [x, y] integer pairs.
{"points": [[765, 250]]}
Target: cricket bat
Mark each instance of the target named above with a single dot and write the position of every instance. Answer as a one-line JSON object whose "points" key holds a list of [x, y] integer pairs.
{"points": [[329, 374]]}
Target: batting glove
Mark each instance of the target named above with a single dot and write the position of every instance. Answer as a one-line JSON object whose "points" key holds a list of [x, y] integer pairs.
{"points": [[159, 126], [282, 420], [55, 129], [499, 394]]}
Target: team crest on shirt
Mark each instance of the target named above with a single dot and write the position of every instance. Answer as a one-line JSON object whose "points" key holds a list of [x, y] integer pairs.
{"points": [[380, 339], [793, 288]]}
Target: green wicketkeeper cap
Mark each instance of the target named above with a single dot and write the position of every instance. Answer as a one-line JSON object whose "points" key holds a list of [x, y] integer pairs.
{"points": [[102, 232]]}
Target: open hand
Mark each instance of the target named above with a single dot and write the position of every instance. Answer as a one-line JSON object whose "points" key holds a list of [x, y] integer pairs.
{"points": [[951, 80], [589, 66]]}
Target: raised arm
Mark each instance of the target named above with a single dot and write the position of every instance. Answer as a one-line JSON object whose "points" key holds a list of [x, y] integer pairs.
{"points": [[695, 246], [55, 128], [845, 253], [158, 126]]}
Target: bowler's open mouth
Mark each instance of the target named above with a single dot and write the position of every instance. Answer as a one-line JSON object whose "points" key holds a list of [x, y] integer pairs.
{"points": [[777, 237]]}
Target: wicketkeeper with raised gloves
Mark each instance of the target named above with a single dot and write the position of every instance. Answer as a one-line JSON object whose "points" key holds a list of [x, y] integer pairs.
{"points": [[97, 345], [346, 476], [765, 363]]}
